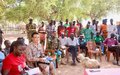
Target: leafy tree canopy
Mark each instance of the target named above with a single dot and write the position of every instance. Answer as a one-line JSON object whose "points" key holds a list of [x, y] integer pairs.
{"points": [[21, 10]]}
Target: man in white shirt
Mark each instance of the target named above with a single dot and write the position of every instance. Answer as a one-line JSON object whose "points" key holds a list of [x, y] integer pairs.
{"points": [[72, 43], [62, 44], [63, 40], [112, 29], [93, 27]]}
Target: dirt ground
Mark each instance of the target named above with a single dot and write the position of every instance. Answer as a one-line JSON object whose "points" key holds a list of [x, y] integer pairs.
{"points": [[79, 70], [66, 69]]}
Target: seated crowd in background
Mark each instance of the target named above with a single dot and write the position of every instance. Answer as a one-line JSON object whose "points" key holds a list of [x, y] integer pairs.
{"points": [[59, 41]]}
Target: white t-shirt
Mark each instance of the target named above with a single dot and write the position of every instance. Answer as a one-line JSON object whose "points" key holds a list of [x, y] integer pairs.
{"points": [[111, 29], [63, 41], [93, 27], [73, 42]]}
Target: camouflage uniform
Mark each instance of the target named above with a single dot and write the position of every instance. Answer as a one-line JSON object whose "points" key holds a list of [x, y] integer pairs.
{"points": [[54, 43], [50, 34], [30, 29]]}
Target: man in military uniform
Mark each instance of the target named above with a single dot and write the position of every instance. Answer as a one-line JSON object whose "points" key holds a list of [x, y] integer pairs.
{"points": [[50, 29], [30, 28], [54, 42]]}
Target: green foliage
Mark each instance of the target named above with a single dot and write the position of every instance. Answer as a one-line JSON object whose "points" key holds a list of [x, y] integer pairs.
{"points": [[116, 5], [2, 8], [16, 14], [95, 8], [56, 9], [10, 1]]}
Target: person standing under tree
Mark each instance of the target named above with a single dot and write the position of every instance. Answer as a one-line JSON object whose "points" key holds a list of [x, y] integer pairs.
{"points": [[96, 23], [103, 29], [67, 23], [30, 27], [50, 29], [88, 33], [93, 27], [1, 38], [79, 27], [118, 31], [61, 29], [71, 29], [112, 29], [42, 33]]}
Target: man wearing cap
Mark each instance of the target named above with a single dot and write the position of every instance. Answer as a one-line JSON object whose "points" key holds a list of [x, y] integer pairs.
{"points": [[30, 28]]}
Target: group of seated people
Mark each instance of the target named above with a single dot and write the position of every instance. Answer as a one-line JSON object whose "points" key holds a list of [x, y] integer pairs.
{"points": [[96, 46], [20, 57], [92, 40]]}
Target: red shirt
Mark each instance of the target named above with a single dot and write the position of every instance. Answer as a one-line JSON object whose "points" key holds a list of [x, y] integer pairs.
{"points": [[71, 30], [61, 30], [14, 64], [79, 25]]}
